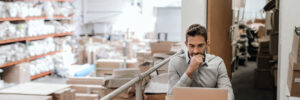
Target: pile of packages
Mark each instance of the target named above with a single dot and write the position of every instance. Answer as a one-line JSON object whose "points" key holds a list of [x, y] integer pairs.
{"points": [[33, 28], [41, 47], [12, 52], [29, 9]]}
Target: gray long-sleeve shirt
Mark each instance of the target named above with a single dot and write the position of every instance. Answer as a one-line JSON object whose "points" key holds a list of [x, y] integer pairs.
{"points": [[211, 74]]}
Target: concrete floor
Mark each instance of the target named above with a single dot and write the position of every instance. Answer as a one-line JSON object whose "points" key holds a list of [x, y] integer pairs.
{"points": [[243, 85]]}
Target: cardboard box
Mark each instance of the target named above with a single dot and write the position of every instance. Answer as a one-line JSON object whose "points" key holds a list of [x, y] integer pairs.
{"points": [[261, 31], [263, 78], [91, 89], [155, 96], [188, 93], [56, 91], [123, 95], [17, 74], [86, 80], [126, 72], [104, 72], [273, 44], [116, 82], [116, 63], [294, 77], [23, 97], [295, 48], [83, 96], [161, 47]]}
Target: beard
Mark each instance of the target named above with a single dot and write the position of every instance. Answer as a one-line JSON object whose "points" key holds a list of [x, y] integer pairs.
{"points": [[198, 53]]}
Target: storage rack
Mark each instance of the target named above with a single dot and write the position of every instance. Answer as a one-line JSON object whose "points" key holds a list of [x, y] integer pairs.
{"points": [[28, 39]]}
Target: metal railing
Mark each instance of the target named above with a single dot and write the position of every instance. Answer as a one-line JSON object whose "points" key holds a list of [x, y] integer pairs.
{"points": [[138, 81]]}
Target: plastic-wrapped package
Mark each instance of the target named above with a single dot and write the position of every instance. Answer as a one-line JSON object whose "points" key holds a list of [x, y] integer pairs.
{"points": [[13, 52], [12, 9], [41, 47], [21, 30], [48, 10], [3, 13], [22, 9]]}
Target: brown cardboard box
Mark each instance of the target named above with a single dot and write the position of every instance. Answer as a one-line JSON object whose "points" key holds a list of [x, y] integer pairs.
{"points": [[161, 47], [294, 77], [83, 96], [126, 72], [261, 31], [116, 63], [189, 93], [295, 48], [116, 82], [273, 44], [23, 97], [104, 72], [17, 74], [155, 96], [263, 78], [86, 80]]}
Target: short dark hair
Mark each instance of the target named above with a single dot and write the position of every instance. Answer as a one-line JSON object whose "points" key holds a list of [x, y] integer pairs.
{"points": [[196, 29]]}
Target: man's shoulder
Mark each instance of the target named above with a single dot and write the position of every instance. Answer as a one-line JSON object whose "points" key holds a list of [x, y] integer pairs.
{"points": [[178, 59], [214, 58]]}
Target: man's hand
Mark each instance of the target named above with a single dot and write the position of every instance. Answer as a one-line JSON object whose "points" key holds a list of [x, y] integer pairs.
{"points": [[195, 63]]}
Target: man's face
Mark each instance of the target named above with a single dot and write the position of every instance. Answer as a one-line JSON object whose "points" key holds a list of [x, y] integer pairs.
{"points": [[196, 45]]}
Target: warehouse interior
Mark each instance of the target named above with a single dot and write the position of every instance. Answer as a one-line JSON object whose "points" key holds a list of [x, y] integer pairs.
{"points": [[122, 49]]}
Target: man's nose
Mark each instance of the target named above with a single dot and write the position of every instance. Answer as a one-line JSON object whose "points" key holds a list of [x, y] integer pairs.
{"points": [[196, 50]]}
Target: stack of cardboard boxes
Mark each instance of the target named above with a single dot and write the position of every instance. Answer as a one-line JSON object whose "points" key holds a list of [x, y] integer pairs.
{"points": [[294, 68], [264, 76]]}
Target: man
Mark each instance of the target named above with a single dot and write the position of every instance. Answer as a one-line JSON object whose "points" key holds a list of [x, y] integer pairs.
{"points": [[196, 68]]}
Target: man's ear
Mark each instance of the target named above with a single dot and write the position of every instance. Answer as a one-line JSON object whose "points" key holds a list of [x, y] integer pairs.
{"points": [[208, 42], [186, 43]]}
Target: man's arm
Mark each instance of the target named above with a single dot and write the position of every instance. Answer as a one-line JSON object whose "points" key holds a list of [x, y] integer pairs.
{"points": [[174, 79], [223, 80]]}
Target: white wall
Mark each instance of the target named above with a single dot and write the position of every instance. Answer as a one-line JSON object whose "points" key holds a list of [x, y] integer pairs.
{"points": [[193, 12], [168, 20], [289, 17]]}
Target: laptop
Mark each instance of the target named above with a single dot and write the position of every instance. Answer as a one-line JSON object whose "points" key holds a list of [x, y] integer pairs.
{"points": [[196, 93]]}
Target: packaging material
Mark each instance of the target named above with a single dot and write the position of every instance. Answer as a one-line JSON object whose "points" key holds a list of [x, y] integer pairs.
{"points": [[41, 47], [41, 65], [264, 78], [161, 96], [24, 97], [82, 96], [188, 93], [87, 80], [12, 52], [41, 89], [17, 74]]}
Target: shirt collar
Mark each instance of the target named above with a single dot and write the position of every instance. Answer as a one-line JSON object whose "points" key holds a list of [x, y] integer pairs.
{"points": [[187, 58]]}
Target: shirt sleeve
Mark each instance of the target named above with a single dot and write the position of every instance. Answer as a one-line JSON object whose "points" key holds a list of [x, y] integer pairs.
{"points": [[175, 80], [224, 81]]}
